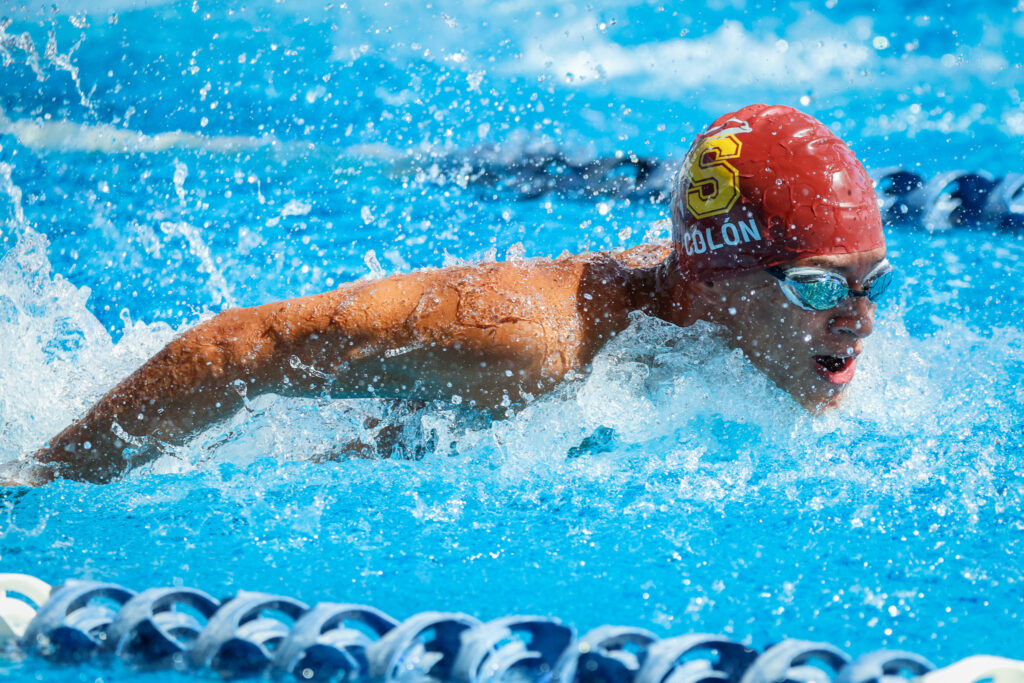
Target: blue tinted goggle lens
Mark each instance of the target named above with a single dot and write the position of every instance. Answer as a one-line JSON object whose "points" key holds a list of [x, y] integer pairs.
{"points": [[819, 290], [877, 286], [821, 294]]}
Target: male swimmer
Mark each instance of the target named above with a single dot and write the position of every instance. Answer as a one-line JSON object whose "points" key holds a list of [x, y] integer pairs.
{"points": [[776, 238]]}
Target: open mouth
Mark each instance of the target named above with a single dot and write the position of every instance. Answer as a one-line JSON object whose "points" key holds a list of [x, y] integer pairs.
{"points": [[836, 369]]}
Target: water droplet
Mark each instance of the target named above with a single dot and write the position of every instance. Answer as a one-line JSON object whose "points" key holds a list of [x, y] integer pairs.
{"points": [[239, 386]]}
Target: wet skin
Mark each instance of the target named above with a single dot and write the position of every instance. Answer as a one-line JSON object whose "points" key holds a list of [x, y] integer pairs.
{"points": [[493, 334]]}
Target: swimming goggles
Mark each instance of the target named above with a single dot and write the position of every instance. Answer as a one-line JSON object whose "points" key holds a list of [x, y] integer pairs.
{"points": [[817, 289]]}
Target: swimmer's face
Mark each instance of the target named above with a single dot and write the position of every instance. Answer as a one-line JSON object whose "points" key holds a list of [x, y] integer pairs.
{"points": [[810, 354]]}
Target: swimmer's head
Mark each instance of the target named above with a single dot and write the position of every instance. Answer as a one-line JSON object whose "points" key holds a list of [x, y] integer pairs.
{"points": [[767, 185], [762, 191]]}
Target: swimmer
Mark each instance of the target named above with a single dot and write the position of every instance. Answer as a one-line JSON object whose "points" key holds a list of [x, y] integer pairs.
{"points": [[776, 239]]}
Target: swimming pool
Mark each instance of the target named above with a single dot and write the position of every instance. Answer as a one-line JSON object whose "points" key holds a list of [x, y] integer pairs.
{"points": [[163, 162]]}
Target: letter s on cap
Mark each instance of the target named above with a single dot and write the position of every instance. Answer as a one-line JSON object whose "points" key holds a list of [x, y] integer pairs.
{"points": [[714, 182]]}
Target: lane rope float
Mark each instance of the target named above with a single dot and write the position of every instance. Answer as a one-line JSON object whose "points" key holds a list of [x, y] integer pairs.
{"points": [[15, 612], [257, 634]]}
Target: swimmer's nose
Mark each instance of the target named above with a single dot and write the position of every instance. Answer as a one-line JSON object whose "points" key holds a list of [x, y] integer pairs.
{"points": [[855, 317]]}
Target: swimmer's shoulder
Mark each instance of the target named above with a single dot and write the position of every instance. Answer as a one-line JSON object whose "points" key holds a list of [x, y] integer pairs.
{"points": [[646, 255], [614, 270]]}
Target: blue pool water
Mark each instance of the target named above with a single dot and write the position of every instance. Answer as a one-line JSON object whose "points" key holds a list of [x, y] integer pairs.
{"points": [[160, 161]]}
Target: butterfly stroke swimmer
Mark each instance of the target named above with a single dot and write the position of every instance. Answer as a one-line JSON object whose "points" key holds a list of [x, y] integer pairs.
{"points": [[776, 239]]}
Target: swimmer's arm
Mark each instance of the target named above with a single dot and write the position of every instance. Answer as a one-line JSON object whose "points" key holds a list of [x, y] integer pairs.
{"points": [[485, 336], [301, 347]]}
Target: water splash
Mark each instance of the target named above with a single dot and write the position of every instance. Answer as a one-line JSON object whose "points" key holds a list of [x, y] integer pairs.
{"points": [[704, 426], [55, 356], [63, 62], [13, 193], [180, 175], [217, 283], [22, 42], [373, 264]]}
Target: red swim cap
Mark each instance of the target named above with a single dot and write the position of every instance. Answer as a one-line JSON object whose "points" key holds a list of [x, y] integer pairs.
{"points": [[764, 186]]}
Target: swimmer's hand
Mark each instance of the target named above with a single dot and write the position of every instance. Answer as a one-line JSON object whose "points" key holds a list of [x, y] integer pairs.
{"points": [[24, 473]]}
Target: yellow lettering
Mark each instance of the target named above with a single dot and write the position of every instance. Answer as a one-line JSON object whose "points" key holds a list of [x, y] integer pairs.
{"points": [[714, 182]]}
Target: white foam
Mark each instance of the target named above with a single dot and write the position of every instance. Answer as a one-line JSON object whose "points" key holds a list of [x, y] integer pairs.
{"points": [[730, 57], [911, 120], [73, 136], [70, 136], [813, 55]]}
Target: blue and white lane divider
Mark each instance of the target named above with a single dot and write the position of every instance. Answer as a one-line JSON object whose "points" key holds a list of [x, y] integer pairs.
{"points": [[950, 199], [254, 634]]}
